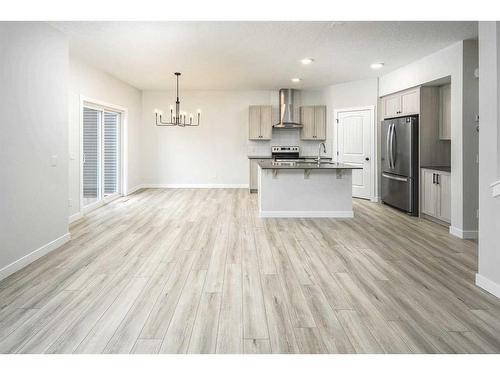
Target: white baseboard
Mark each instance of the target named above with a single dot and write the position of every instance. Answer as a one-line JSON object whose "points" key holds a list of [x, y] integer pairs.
{"points": [[464, 234], [34, 255], [375, 199], [195, 186], [75, 217], [306, 214], [488, 285], [495, 188]]}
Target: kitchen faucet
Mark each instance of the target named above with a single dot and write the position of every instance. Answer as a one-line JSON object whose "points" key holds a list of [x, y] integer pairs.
{"points": [[319, 151]]}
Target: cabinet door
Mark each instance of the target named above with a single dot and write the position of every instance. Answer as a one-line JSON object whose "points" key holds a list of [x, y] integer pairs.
{"points": [[307, 119], [410, 102], [429, 193], [320, 122], [253, 174], [391, 105], [445, 112], [266, 122], [444, 200], [254, 122]]}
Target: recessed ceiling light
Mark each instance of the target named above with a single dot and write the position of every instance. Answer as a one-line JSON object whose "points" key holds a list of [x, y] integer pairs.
{"points": [[296, 80], [377, 65], [307, 61]]}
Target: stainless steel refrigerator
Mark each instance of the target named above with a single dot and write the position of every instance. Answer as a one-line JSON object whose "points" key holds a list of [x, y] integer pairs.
{"points": [[400, 163]]}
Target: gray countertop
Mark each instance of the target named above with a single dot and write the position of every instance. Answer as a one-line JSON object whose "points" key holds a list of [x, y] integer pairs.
{"points": [[438, 168], [269, 164], [301, 156]]}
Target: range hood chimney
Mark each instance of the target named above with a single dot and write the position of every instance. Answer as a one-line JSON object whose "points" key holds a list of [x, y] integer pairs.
{"points": [[289, 110]]}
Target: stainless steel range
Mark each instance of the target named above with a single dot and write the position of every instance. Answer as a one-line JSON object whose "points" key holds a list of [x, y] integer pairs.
{"points": [[286, 153]]}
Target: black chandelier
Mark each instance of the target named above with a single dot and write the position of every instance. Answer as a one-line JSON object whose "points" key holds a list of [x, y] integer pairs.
{"points": [[179, 118]]}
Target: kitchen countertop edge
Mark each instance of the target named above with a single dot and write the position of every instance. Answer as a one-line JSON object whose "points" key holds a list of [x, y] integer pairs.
{"points": [[268, 165], [438, 168]]}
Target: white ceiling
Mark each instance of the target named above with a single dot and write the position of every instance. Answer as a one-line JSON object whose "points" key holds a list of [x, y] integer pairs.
{"points": [[254, 55]]}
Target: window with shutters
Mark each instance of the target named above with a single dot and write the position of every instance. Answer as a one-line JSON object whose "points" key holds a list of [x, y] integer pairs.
{"points": [[111, 155], [101, 154]]}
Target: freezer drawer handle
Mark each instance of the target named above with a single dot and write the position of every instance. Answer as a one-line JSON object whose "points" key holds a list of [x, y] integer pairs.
{"points": [[403, 179]]}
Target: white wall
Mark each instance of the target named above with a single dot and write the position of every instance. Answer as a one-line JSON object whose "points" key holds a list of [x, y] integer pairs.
{"points": [[361, 93], [34, 125], [213, 154], [459, 62], [95, 84], [488, 276], [216, 152]]}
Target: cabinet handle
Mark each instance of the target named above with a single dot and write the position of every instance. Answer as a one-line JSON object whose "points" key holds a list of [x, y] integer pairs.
{"points": [[433, 178], [437, 178]]}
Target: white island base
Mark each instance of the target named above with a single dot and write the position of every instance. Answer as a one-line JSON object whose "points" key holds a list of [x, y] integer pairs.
{"points": [[305, 193]]}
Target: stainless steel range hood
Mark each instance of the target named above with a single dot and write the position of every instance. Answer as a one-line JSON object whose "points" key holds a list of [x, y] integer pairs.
{"points": [[289, 109]]}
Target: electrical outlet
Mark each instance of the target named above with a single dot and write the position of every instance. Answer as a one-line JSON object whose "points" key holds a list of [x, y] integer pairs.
{"points": [[70, 202]]}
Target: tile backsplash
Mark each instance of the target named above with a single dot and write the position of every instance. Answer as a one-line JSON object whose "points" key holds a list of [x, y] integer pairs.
{"points": [[284, 137]]}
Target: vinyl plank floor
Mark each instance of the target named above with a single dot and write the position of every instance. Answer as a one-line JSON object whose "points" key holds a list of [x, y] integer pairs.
{"points": [[197, 271]]}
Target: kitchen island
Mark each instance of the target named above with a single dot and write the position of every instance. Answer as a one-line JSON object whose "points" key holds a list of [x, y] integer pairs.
{"points": [[305, 189]]}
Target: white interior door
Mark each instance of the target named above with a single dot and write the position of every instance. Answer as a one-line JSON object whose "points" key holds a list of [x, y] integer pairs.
{"points": [[354, 147]]}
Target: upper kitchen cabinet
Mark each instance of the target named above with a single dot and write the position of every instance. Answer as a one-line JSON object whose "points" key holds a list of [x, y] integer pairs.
{"points": [[445, 112], [313, 120], [403, 103], [260, 122]]}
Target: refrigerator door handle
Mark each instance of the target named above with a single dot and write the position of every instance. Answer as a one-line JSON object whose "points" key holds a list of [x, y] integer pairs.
{"points": [[393, 155], [402, 179], [387, 142]]}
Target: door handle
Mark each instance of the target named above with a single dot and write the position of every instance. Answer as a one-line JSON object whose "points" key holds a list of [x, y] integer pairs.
{"points": [[393, 156], [403, 179], [388, 145]]}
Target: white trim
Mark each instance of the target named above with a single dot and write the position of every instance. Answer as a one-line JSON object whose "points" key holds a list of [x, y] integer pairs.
{"points": [[373, 144], [488, 285], [375, 199], [75, 217], [495, 189], [303, 214], [464, 234], [101, 105], [34, 255]]}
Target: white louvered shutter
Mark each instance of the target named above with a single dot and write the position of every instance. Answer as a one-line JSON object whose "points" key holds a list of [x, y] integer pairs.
{"points": [[91, 144], [111, 152]]}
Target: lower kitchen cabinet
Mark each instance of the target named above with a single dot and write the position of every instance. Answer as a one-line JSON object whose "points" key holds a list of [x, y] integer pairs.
{"points": [[254, 171], [436, 194]]}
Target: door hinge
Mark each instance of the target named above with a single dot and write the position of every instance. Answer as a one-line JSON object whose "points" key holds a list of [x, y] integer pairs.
{"points": [[337, 120], [337, 153]]}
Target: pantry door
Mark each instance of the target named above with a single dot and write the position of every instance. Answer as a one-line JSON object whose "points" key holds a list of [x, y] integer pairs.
{"points": [[353, 133]]}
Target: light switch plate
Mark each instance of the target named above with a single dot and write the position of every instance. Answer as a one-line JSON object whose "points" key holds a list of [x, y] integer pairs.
{"points": [[53, 161]]}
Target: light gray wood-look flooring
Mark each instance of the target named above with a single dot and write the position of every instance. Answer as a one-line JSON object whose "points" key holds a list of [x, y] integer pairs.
{"points": [[196, 271]]}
